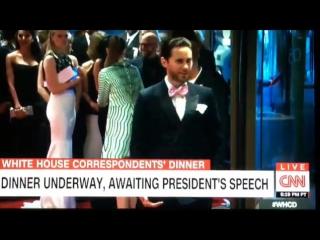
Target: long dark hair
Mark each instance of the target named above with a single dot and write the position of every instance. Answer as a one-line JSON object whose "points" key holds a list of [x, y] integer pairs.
{"points": [[102, 50], [34, 47], [116, 47]]}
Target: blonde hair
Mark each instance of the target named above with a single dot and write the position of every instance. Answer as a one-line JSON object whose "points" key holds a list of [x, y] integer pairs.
{"points": [[43, 36], [49, 45], [94, 44]]}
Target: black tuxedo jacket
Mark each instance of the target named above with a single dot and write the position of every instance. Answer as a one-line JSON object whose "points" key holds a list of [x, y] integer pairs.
{"points": [[151, 70], [157, 131], [132, 47], [79, 48], [221, 90]]}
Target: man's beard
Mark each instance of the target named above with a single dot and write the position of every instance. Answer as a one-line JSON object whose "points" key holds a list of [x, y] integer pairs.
{"points": [[147, 54], [177, 77]]}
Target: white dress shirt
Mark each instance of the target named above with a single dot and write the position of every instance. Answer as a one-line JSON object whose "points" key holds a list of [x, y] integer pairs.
{"points": [[178, 102], [87, 38]]}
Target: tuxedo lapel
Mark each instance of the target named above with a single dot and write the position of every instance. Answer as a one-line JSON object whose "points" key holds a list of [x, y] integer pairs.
{"points": [[167, 105], [135, 42], [84, 44], [192, 102]]}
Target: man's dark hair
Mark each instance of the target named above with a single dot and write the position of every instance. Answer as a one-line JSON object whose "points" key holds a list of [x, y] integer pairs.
{"points": [[168, 45], [9, 34]]}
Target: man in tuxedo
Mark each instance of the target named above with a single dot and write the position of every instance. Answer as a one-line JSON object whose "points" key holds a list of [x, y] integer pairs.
{"points": [[132, 39], [175, 119], [204, 72], [80, 46], [209, 77], [148, 63]]}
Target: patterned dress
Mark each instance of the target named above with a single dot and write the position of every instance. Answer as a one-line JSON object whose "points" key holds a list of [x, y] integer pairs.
{"points": [[119, 86]]}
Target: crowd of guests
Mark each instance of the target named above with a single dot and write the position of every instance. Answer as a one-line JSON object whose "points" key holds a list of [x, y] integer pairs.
{"points": [[89, 116]]}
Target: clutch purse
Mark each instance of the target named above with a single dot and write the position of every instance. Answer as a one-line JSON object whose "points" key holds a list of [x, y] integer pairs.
{"points": [[66, 75], [28, 110]]}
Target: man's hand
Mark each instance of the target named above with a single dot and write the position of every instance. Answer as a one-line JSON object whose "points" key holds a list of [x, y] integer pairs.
{"points": [[146, 203]]}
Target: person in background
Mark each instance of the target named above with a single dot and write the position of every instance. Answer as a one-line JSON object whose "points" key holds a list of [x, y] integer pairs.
{"points": [[61, 108], [93, 143], [78, 33], [167, 123], [119, 87], [106, 203], [149, 64], [75, 64], [22, 73], [200, 35], [27, 112], [131, 37], [8, 46], [98, 65], [142, 32], [204, 72], [163, 37], [156, 32], [43, 37], [203, 77], [80, 47], [42, 85], [45, 93], [7, 40]]}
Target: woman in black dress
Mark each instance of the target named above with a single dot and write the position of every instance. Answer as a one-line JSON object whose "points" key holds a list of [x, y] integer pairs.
{"points": [[98, 65], [93, 142], [27, 112], [98, 56]]}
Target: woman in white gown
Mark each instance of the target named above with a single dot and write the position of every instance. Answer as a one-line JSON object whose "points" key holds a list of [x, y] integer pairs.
{"points": [[61, 108]]}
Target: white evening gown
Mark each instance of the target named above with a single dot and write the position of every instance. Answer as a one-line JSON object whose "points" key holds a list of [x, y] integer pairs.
{"points": [[61, 113]]}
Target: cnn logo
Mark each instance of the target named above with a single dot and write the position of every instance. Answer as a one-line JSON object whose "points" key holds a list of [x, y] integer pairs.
{"points": [[292, 177], [288, 181]]}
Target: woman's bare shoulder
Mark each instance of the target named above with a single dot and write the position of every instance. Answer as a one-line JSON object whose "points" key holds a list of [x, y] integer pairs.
{"points": [[73, 58], [87, 64], [13, 55]]}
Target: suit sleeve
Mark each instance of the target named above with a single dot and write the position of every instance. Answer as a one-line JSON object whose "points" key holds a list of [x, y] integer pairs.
{"points": [[140, 137], [213, 128], [141, 86]]}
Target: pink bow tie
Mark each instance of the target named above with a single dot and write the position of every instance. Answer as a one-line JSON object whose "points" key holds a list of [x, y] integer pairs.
{"points": [[181, 92]]}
